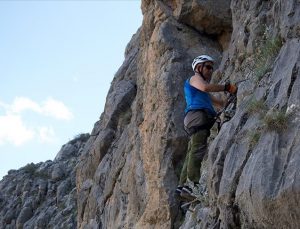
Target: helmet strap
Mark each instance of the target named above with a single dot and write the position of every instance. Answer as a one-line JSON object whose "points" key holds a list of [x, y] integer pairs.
{"points": [[200, 73]]}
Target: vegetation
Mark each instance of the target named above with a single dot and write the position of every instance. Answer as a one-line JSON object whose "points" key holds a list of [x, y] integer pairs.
{"points": [[30, 168], [266, 55], [42, 174], [276, 121], [256, 106], [79, 137], [254, 137]]}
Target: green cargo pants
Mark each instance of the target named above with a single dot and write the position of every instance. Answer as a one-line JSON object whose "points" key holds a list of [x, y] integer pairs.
{"points": [[197, 149]]}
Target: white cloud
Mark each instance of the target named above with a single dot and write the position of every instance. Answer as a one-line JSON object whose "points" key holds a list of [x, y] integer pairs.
{"points": [[51, 107], [56, 109], [12, 126], [3, 105], [14, 131], [46, 134], [22, 103]]}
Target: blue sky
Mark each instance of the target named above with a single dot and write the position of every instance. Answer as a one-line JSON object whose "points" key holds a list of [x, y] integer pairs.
{"points": [[57, 60]]}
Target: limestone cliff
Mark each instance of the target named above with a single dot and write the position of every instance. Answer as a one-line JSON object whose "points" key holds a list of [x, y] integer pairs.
{"points": [[128, 167], [128, 173]]}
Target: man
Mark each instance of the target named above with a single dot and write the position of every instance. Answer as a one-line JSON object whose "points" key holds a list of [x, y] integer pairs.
{"points": [[199, 117]]}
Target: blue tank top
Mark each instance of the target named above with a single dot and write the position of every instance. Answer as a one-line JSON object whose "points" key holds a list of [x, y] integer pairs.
{"points": [[196, 99]]}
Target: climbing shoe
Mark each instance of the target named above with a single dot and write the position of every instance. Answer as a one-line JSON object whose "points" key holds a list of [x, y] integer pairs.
{"points": [[187, 189], [178, 190], [187, 193], [178, 193], [184, 193]]}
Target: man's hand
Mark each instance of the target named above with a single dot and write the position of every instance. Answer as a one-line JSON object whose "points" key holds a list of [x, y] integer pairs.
{"points": [[231, 88]]}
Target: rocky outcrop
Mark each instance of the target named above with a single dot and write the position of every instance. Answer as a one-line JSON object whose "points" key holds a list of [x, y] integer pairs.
{"points": [[127, 177], [42, 195], [128, 172], [253, 181]]}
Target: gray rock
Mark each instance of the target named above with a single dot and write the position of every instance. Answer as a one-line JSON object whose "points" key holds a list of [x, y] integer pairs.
{"points": [[32, 199], [62, 190], [9, 216], [25, 214], [205, 16], [66, 151], [72, 148], [58, 172]]}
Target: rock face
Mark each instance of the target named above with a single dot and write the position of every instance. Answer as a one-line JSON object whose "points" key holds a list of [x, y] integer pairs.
{"points": [[254, 181], [128, 168], [127, 176], [42, 195]]}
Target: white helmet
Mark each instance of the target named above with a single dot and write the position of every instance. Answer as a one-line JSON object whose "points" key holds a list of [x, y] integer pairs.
{"points": [[201, 59]]}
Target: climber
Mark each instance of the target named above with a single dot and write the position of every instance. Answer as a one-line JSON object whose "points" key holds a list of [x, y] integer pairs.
{"points": [[199, 118]]}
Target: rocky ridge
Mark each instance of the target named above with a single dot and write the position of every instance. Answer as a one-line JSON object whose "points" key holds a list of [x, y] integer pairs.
{"points": [[43, 195]]}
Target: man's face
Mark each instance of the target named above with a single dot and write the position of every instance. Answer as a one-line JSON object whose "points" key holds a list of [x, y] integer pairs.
{"points": [[207, 70]]}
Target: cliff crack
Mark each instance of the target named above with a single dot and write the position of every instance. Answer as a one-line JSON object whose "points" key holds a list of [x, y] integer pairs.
{"points": [[286, 163], [114, 180], [293, 79]]}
